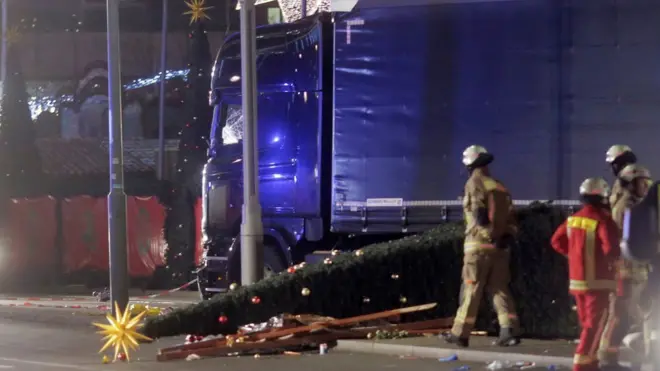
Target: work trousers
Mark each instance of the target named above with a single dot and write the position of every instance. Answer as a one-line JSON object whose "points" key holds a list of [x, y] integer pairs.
{"points": [[626, 314], [593, 314], [485, 270]]}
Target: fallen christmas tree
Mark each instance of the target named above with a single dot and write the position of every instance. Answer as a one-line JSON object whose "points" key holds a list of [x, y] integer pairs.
{"points": [[413, 270]]}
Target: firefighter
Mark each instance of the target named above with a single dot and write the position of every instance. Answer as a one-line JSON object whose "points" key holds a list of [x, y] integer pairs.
{"points": [[490, 230], [640, 242], [629, 308], [618, 156], [590, 240]]}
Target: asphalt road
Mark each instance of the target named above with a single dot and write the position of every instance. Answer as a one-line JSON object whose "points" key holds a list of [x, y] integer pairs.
{"points": [[41, 339]]}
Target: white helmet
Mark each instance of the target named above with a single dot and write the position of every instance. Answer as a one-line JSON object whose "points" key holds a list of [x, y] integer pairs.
{"points": [[473, 153], [633, 171], [595, 187], [615, 151]]}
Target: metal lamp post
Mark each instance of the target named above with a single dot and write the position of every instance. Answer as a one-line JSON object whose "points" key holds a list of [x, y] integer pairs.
{"points": [[251, 226], [161, 98], [116, 197], [3, 62]]}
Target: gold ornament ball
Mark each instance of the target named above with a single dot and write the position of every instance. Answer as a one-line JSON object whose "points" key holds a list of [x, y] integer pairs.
{"points": [[403, 300], [335, 252], [233, 286], [305, 291], [105, 360], [395, 276], [359, 253]]}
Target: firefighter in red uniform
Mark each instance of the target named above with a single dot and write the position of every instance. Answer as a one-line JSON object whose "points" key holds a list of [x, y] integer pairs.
{"points": [[590, 240]]}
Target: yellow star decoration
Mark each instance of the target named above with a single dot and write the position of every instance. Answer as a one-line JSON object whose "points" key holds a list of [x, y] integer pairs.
{"points": [[197, 10], [122, 332], [12, 35]]}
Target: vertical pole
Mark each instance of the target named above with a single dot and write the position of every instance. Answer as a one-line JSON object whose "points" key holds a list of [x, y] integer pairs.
{"points": [[303, 10], [3, 62], [161, 103], [116, 197], [251, 227]]}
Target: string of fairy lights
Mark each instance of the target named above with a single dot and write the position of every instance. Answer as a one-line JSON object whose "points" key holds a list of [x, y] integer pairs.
{"points": [[43, 100]]}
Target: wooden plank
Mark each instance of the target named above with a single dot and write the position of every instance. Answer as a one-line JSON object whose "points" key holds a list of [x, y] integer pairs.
{"points": [[346, 321], [419, 325], [248, 346], [271, 334], [219, 342]]}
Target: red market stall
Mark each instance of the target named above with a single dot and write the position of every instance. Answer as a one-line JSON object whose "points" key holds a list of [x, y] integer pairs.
{"points": [[28, 243], [146, 217], [85, 232]]}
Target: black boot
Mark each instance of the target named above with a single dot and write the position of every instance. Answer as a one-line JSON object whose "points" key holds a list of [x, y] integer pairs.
{"points": [[456, 340], [507, 338]]}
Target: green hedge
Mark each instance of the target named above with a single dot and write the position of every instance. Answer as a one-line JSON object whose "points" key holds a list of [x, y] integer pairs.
{"points": [[423, 268]]}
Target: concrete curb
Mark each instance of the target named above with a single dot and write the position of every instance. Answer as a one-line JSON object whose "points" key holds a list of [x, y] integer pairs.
{"points": [[375, 347]]}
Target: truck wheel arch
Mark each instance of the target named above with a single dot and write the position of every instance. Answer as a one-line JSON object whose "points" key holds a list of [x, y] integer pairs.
{"points": [[275, 237]]}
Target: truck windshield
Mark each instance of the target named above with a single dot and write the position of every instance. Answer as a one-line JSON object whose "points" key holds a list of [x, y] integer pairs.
{"points": [[229, 129]]}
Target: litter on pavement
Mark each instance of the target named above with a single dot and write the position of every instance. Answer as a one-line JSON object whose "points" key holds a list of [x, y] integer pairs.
{"points": [[508, 365], [451, 358]]}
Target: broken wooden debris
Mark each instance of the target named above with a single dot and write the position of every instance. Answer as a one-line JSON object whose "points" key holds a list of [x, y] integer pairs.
{"points": [[304, 331]]}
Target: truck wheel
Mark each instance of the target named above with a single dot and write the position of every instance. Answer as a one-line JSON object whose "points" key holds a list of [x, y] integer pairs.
{"points": [[273, 262]]}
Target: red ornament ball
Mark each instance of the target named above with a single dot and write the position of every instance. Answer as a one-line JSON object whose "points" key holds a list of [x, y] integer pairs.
{"points": [[191, 338], [222, 319], [256, 300], [121, 356], [291, 270]]}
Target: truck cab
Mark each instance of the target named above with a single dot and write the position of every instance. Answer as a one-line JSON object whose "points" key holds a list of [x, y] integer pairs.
{"points": [[292, 87]]}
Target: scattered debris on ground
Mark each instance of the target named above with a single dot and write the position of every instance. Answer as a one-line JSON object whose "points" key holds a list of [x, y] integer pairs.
{"points": [[289, 334]]}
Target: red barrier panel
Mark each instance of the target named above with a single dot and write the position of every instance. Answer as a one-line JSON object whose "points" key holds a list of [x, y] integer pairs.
{"points": [[199, 249], [29, 242], [85, 230], [85, 233], [146, 244]]}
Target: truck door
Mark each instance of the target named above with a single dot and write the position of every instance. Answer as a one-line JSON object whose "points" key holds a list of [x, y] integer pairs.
{"points": [[277, 148]]}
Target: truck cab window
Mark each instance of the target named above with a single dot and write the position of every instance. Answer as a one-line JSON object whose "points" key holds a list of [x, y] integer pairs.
{"points": [[232, 127]]}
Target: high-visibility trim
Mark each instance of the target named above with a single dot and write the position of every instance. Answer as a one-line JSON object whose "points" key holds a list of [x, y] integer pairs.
{"points": [[599, 333], [474, 246], [461, 313], [489, 184], [467, 321], [590, 282], [506, 320], [584, 285], [582, 359], [605, 340]]}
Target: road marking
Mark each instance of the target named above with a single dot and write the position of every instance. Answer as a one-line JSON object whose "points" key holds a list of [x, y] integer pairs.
{"points": [[45, 364], [6, 366]]}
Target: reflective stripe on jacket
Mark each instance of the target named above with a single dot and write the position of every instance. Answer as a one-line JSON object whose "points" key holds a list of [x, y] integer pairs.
{"points": [[590, 240]]}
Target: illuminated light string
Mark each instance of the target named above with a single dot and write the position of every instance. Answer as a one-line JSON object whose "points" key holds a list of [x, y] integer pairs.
{"points": [[39, 104], [292, 9]]}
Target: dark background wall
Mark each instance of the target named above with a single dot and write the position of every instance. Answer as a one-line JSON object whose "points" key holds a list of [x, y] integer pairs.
{"points": [[58, 38]]}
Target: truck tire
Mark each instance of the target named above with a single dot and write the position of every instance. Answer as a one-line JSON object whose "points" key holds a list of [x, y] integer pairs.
{"points": [[273, 261]]}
